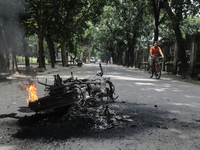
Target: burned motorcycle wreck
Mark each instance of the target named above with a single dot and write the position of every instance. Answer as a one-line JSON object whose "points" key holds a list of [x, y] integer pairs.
{"points": [[72, 92], [91, 99]]}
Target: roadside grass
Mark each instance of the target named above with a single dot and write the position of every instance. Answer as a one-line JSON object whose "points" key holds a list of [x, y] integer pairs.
{"points": [[21, 59]]}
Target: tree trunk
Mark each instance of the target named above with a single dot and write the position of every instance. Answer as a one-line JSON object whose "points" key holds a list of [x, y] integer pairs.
{"points": [[126, 61], [51, 50], [82, 56], [63, 53], [118, 59], [67, 54], [41, 54], [89, 56], [156, 20], [27, 62], [180, 43], [15, 60], [73, 58], [4, 67], [10, 61], [155, 32], [129, 47], [121, 57], [41, 37], [176, 58], [133, 49], [3, 60]]}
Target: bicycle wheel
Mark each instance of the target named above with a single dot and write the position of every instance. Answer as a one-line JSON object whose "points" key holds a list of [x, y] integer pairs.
{"points": [[158, 71]]}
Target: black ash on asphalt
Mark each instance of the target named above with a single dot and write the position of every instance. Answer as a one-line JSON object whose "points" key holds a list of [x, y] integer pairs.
{"points": [[76, 121]]}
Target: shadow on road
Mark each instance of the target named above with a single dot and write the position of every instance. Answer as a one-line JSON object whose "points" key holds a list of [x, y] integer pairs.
{"points": [[25, 110], [12, 115], [50, 126]]}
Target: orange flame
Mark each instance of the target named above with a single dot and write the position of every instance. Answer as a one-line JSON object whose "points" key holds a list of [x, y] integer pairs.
{"points": [[32, 95]]}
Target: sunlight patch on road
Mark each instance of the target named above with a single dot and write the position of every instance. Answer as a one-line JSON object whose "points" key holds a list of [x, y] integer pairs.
{"points": [[167, 86], [116, 73], [6, 147], [188, 96], [161, 89], [175, 130], [185, 104], [184, 137], [175, 111], [155, 89], [130, 78], [174, 81], [140, 83], [177, 90]]}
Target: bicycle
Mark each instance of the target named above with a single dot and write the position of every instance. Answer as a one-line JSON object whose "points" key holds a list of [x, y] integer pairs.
{"points": [[156, 67]]}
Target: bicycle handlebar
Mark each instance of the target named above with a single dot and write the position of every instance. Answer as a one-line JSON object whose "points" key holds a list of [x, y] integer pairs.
{"points": [[155, 56]]}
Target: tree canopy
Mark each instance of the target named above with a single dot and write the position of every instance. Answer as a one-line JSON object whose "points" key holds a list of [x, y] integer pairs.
{"points": [[99, 28]]}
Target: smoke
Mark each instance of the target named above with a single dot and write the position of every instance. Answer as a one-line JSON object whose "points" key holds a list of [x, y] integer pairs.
{"points": [[11, 30]]}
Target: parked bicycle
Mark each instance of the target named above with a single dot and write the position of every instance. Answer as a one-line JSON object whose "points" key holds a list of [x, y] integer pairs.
{"points": [[156, 69]]}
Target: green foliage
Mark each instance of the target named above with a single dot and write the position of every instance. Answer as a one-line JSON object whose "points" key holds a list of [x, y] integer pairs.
{"points": [[184, 8], [64, 21], [190, 25], [121, 22], [104, 28], [32, 42], [186, 14]]}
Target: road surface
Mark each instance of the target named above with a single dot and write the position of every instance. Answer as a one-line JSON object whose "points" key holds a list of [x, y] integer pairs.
{"points": [[165, 113]]}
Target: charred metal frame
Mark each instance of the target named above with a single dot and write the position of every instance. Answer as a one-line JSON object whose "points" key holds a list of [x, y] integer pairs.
{"points": [[69, 91]]}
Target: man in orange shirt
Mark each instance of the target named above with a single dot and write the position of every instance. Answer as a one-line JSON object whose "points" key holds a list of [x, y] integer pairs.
{"points": [[154, 51]]}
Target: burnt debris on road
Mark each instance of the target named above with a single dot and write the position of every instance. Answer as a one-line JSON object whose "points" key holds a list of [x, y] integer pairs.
{"points": [[87, 98]]}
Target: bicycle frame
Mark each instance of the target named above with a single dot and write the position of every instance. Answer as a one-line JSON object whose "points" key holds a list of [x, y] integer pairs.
{"points": [[156, 65], [156, 62]]}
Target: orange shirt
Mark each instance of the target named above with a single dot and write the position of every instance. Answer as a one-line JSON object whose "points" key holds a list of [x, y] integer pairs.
{"points": [[155, 51]]}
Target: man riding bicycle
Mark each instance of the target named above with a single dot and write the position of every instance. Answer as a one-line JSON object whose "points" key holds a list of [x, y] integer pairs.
{"points": [[154, 50]]}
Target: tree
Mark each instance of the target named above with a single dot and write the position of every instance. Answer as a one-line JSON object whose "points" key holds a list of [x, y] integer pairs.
{"points": [[159, 15], [71, 20], [11, 34], [39, 15], [176, 19], [190, 25], [122, 24]]}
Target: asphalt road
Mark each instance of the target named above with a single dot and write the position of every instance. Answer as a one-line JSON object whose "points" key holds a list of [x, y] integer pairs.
{"points": [[165, 113]]}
